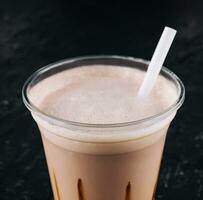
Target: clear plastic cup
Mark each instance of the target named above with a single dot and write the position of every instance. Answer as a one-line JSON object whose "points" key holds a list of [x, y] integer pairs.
{"points": [[83, 161]]}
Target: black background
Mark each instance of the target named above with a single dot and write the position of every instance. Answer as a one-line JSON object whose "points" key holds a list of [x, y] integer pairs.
{"points": [[36, 33]]}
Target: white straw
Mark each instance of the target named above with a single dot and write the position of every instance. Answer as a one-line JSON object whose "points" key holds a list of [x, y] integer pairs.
{"points": [[157, 61]]}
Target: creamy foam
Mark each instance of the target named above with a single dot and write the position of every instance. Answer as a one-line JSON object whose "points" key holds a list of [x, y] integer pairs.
{"points": [[102, 95]]}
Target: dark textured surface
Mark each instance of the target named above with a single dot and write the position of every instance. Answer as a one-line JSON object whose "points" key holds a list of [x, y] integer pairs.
{"points": [[35, 33]]}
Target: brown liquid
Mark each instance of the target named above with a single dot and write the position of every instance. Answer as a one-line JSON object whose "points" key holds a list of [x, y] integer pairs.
{"points": [[103, 163], [124, 176]]}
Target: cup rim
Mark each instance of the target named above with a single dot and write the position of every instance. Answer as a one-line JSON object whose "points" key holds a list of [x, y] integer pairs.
{"points": [[65, 123]]}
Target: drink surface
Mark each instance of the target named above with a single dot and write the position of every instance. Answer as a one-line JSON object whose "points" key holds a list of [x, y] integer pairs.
{"points": [[102, 95]]}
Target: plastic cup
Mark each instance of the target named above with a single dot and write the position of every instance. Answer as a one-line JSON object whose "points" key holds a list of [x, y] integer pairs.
{"points": [[85, 162]]}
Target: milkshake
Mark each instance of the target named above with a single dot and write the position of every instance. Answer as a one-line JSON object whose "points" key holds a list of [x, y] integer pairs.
{"points": [[102, 141]]}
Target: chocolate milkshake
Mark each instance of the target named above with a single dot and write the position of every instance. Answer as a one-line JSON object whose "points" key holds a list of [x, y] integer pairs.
{"points": [[102, 141]]}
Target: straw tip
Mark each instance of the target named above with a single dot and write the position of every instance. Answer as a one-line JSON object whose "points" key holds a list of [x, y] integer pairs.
{"points": [[170, 29]]}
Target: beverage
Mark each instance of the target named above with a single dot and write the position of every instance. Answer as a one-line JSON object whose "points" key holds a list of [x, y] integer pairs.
{"points": [[102, 142]]}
